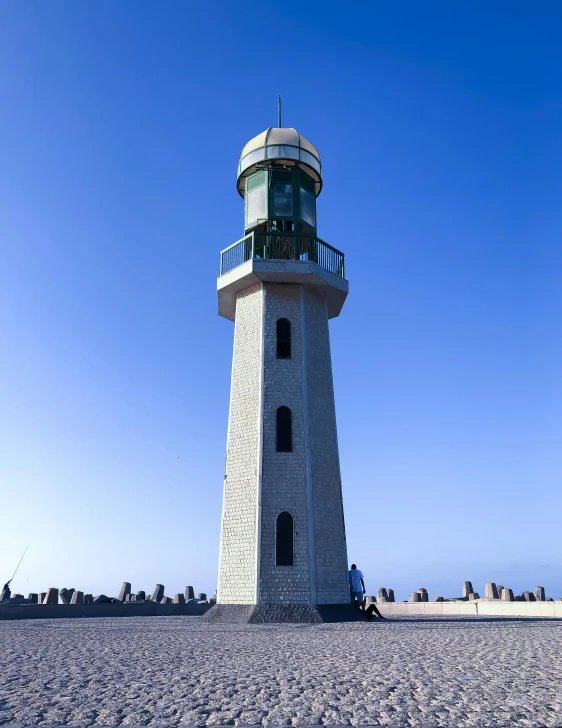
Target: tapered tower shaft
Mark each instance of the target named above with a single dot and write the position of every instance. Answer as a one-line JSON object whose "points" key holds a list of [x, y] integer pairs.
{"points": [[260, 482], [282, 530]]}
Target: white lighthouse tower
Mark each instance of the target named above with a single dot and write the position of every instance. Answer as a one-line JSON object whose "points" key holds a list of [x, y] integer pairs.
{"points": [[283, 549]]}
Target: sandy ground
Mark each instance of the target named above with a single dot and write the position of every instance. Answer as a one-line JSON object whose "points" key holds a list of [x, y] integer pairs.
{"points": [[177, 671]]}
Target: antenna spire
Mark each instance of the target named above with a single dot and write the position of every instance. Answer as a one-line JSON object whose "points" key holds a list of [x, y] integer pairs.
{"points": [[279, 112]]}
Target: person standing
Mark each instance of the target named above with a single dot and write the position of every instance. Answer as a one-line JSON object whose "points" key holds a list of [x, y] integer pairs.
{"points": [[357, 590]]}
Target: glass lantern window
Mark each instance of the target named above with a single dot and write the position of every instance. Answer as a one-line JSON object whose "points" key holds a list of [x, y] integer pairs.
{"points": [[308, 207], [255, 205], [282, 200]]}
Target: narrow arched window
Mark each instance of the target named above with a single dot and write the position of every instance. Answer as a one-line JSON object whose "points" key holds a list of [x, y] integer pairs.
{"points": [[283, 339], [284, 539], [284, 430]]}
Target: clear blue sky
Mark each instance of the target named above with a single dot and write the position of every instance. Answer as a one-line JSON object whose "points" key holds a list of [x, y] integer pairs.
{"points": [[439, 125]]}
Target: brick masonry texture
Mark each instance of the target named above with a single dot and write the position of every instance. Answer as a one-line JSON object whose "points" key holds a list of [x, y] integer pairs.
{"points": [[329, 528], [284, 473], [237, 565], [304, 384]]}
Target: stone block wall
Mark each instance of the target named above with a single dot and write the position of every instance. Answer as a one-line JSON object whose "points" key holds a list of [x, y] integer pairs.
{"points": [[260, 480], [329, 527], [237, 556], [284, 486]]}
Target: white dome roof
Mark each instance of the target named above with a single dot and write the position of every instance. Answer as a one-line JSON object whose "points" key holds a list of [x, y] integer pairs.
{"points": [[281, 146]]}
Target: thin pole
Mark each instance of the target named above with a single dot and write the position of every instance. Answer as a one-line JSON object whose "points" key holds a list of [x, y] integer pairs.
{"points": [[18, 566], [279, 111]]}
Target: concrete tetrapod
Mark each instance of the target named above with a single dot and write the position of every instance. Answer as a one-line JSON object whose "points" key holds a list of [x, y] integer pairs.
{"points": [[124, 591], [77, 598], [539, 593], [158, 593], [52, 596], [491, 591]]}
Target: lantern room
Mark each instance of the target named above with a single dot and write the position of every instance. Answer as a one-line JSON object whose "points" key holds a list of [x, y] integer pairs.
{"points": [[279, 177]]}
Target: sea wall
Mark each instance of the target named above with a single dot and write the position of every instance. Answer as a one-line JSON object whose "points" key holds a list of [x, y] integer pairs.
{"points": [[75, 611], [471, 609]]}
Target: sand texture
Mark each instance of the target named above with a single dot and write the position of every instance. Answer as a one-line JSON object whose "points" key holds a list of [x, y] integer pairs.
{"points": [[178, 671]]}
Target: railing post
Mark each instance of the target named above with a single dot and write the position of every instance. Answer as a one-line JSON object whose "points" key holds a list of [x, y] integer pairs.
{"points": [[271, 245]]}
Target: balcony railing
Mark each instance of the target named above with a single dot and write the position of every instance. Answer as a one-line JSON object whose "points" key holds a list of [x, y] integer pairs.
{"points": [[282, 246]]}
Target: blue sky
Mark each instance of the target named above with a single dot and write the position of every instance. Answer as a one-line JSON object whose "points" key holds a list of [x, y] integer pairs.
{"points": [[439, 126]]}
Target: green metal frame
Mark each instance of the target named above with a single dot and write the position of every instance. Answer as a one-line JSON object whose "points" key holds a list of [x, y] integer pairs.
{"points": [[298, 176]]}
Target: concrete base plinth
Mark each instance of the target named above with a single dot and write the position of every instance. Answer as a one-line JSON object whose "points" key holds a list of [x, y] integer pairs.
{"points": [[282, 614]]}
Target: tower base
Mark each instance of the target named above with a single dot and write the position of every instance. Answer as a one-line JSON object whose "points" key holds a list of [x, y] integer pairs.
{"points": [[282, 614]]}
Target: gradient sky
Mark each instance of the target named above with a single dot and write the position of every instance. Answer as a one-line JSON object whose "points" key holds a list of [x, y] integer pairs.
{"points": [[440, 129]]}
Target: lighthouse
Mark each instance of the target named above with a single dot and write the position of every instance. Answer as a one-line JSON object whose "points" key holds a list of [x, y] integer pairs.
{"points": [[283, 553]]}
